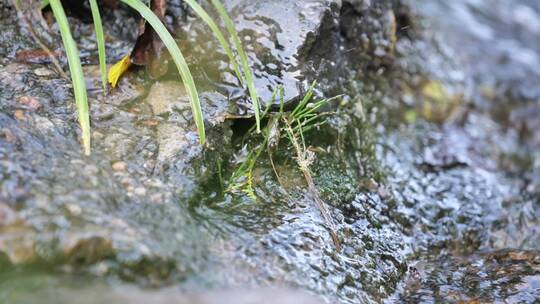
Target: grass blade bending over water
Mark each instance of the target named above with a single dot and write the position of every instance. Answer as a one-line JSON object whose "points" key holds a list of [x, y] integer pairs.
{"points": [[243, 59], [178, 59], [98, 27], [75, 68], [217, 32], [44, 4]]}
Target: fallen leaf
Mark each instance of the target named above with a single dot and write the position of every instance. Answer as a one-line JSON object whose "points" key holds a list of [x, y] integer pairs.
{"points": [[34, 56], [118, 69], [149, 50]]}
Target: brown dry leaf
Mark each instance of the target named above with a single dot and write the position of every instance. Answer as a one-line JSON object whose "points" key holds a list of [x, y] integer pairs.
{"points": [[149, 50]]}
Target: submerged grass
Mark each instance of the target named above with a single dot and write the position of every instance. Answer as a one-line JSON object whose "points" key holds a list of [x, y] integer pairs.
{"points": [[75, 68], [178, 59], [292, 126], [302, 118]]}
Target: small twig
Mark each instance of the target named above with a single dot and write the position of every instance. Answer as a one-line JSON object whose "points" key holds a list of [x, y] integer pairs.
{"points": [[41, 44], [276, 173], [304, 159], [322, 208]]}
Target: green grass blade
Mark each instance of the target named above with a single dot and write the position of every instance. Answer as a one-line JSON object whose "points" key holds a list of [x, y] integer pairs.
{"points": [[301, 132], [243, 59], [281, 99], [77, 76], [178, 59], [311, 108], [98, 27], [44, 4], [272, 98], [305, 100], [305, 123], [199, 10]]}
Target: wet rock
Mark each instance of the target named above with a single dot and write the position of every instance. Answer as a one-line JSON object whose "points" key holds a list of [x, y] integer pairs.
{"points": [[18, 246], [288, 242], [69, 206], [487, 145], [44, 72], [484, 278], [171, 140], [360, 6], [164, 96], [16, 237], [8, 216], [328, 41], [526, 119], [86, 247], [11, 37], [163, 217], [98, 293]]}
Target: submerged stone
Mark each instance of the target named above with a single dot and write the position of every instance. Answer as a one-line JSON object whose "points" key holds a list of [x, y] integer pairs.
{"points": [[163, 96]]}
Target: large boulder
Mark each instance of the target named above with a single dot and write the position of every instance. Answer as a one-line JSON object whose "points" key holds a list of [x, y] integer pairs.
{"points": [[293, 43]]}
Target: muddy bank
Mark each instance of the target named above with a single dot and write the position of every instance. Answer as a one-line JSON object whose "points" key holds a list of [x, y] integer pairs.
{"points": [[429, 164]]}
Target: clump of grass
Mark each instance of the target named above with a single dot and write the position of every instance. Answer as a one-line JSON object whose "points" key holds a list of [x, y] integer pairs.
{"points": [[292, 126], [242, 177], [302, 118], [77, 76], [75, 68], [178, 59]]}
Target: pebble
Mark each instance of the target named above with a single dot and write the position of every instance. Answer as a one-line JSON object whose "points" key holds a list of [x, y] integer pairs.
{"points": [[8, 135], [140, 191], [43, 72], [19, 115], [163, 96], [30, 102], [119, 166], [125, 182], [74, 209], [98, 135]]}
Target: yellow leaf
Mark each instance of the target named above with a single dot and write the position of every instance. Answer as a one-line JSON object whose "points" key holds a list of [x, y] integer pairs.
{"points": [[118, 69]]}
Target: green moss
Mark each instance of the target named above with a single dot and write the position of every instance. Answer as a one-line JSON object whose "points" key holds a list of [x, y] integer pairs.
{"points": [[333, 180]]}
